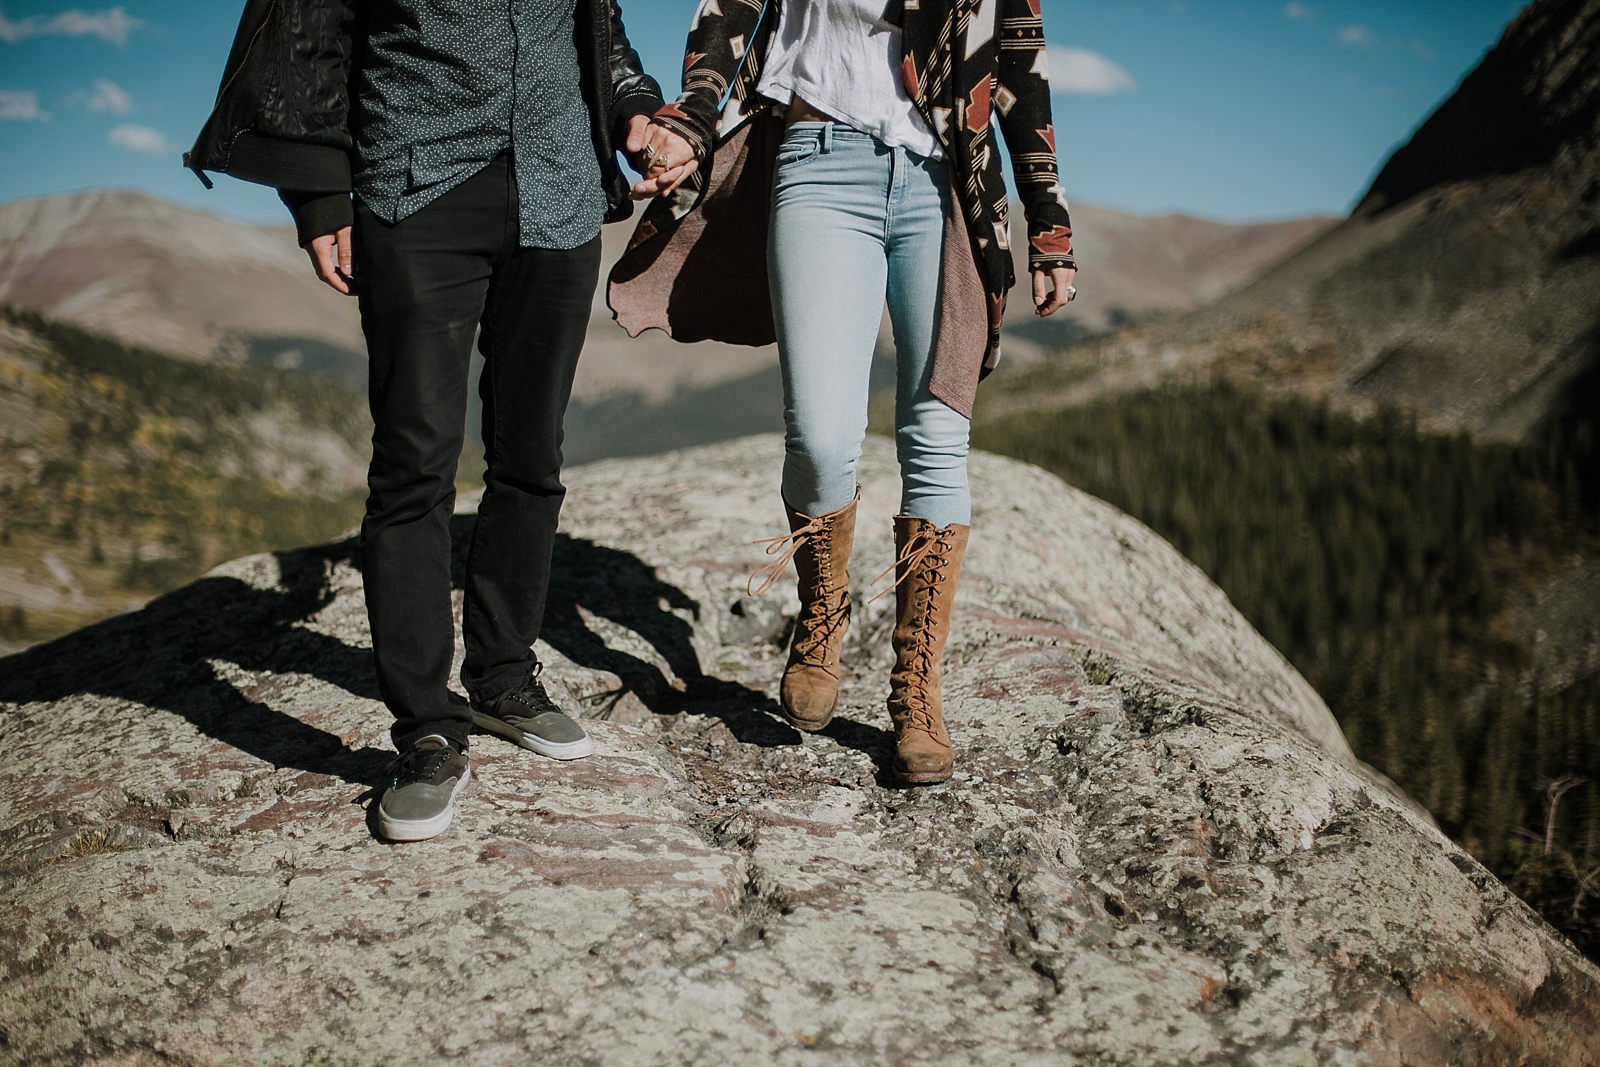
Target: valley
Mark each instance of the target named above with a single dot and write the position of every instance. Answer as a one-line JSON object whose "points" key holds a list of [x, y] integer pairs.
{"points": [[125, 473]]}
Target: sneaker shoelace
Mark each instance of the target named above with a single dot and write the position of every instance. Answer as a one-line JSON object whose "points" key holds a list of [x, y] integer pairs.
{"points": [[531, 694], [418, 764]]}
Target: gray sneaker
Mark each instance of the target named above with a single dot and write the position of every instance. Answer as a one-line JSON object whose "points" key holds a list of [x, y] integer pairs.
{"points": [[528, 717], [419, 801]]}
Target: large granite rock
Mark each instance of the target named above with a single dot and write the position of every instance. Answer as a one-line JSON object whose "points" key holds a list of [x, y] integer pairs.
{"points": [[1157, 848]]}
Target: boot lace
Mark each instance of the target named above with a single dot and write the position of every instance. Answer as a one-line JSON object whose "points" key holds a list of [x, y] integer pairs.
{"points": [[922, 544], [929, 550], [784, 548], [818, 621]]}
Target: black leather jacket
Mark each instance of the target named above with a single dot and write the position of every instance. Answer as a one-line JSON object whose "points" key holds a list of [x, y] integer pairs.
{"points": [[282, 113]]}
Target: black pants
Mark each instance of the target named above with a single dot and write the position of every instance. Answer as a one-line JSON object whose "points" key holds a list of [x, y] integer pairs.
{"points": [[426, 283]]}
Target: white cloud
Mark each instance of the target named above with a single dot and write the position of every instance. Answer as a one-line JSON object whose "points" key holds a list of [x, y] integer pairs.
{"points": [[1357, 35], [1423, 50], [1296, 12], [107, 96], [114, 25], [138, 138], [21, 105], [1078, 70]]}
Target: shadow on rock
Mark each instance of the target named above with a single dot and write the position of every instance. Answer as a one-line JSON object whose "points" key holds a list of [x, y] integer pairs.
{"points": [[159, 657], [619, 586], [874, 742]]}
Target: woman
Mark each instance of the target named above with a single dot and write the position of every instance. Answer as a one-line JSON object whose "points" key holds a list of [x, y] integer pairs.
{"points": [[885, 183]]}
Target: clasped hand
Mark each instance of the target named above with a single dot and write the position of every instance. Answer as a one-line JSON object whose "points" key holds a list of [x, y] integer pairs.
{"points": [[664, 158]]}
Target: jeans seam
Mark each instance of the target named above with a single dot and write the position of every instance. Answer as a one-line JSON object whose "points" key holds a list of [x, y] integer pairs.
{"points": [[895, 177], [489, 317]]}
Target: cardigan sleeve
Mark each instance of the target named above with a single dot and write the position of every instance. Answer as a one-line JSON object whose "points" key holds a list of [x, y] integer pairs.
{"points": [[719, 37], [1022, 100]]}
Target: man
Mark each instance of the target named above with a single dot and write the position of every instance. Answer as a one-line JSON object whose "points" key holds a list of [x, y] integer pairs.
{"points": [[479, 141]]}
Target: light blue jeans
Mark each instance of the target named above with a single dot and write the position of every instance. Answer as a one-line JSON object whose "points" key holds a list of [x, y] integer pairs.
{"points": [[853, 222]]}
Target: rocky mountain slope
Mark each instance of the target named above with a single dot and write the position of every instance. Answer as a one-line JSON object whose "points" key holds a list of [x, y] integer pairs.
{"points": [[1465, 284], [1431, 583], [1156, 850], [125, 472], [1137, 267]]}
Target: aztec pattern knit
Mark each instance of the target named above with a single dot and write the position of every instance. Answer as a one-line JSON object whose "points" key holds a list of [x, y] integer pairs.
{"points": [[966, 62]]}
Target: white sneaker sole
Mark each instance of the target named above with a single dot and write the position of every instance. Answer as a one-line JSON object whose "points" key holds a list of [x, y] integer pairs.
{"points": [[564, 750], [423, 829]]}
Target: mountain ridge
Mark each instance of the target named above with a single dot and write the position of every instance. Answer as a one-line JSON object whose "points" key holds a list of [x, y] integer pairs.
{"points": [[177, 278], [1465, 285]]}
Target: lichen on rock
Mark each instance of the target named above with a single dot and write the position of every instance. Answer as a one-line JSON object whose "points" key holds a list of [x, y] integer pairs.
{"points": [[1156, 848]]}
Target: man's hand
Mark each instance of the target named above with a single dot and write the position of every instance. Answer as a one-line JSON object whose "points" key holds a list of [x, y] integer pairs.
{"points": [[1058, 282], [664, 158], [331, 257]]}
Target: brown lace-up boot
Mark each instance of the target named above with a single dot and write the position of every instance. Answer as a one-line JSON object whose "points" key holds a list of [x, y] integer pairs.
{"points": [[820, 547], [927, 564]]}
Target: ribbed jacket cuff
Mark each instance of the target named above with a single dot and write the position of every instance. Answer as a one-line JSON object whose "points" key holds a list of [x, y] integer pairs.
{"points": [[317, 214], [626, 107]]}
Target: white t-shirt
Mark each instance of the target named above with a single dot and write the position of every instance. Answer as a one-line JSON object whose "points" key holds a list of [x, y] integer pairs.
{"points": [[842, 58]]}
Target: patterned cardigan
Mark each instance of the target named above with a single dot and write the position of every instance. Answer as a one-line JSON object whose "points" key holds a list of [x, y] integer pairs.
{"points": [[966, 62]]}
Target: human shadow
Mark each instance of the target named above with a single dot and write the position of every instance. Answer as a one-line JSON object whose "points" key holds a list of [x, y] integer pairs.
{"points": [[589, 578], [161, 657]]}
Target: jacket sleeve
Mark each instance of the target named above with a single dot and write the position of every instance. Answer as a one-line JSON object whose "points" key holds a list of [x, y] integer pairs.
{"points": [[1022, 99], [719, 36], [633, 92], [317, 214], [281, 116]]}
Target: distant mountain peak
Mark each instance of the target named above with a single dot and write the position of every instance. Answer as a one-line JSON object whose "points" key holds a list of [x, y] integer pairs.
{"points": [[169, 277], [1535, 93]]}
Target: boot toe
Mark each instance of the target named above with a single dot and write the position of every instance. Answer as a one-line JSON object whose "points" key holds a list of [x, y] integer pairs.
{"points": [[808, 703], [808, 707], [922, 766]]}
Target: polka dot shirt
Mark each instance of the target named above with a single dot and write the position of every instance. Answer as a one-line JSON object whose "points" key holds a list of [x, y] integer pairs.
{"points": [[446, 86]]}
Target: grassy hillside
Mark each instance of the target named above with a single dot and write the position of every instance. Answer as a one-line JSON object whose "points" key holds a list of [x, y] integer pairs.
{"points": [[1390, 565], [125, 472]]}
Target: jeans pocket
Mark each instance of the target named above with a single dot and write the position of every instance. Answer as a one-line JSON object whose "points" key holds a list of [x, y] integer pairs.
{"points": [[797, 151]]}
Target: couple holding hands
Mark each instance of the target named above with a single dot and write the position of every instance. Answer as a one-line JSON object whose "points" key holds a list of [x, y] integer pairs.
{"points": [[450, 163]]}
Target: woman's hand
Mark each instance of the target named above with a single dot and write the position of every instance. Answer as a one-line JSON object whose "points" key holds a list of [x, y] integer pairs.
{"points": [[664, 158], [1059, 282]]}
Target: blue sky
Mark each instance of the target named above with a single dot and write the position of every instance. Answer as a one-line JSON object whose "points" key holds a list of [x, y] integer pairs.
{"points": [[1227, 109]]}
